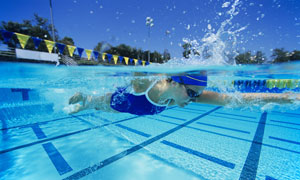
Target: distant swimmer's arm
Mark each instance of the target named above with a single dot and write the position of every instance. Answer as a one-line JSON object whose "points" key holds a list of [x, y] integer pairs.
{"points": [[210, 97]]}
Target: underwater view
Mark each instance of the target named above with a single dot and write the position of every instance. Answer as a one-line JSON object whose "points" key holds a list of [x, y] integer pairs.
{"points": [[147, 90]]}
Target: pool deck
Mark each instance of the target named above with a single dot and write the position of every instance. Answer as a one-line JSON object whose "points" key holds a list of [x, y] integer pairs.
{"points": [[195, 142]]}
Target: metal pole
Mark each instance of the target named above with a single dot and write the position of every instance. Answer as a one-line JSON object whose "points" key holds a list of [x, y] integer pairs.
{"points": [[52, 24], [149, 43]]}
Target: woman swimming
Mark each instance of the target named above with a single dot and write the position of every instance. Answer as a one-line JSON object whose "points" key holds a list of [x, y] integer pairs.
{"points": [[152, 97]]}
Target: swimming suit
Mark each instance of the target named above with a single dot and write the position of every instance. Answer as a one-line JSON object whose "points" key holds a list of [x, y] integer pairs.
{"points": [[138, 104]]}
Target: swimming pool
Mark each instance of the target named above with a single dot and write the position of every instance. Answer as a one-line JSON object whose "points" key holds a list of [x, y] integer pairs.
{"points": [[40, 141]]}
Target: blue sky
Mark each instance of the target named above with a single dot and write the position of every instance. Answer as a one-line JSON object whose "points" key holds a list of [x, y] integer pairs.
{"points": [[269, 23]]}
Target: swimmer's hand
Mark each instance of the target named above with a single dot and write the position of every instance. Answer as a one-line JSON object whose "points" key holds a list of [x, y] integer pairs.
{"points": [[78, 98], [73, 108], [76, 103]]}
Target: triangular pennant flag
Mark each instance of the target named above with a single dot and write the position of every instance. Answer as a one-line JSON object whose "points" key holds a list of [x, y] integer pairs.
{"points": [[143, 62], [22, 39], [140, 62], [88, 53], [71, 50], [115, 57], [109, 56], [96, 55], [36, 41], [147, 63], [130, 59], [126, 60], [50, 45], [61, 47], [103, 56], [6, 35], [135, 61], [121, 59], [80, 51]]}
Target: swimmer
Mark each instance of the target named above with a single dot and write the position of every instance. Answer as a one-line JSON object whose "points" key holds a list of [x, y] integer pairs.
{"points": [[154, 96]]}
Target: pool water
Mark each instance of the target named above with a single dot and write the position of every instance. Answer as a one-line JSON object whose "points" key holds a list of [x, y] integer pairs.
{"points": [[40, 141]]}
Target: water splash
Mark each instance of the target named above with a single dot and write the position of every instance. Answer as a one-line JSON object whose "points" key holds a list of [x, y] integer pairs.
{"points": [[216, 48]]}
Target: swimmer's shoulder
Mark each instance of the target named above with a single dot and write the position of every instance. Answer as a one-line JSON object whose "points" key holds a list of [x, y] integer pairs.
{"points": [[141, 85]]}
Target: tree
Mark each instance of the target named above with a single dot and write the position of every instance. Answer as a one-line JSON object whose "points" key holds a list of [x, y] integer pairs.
{"points": [[167, 56], [187, 50], [244, 58], [280, 55], [67, 41], [38, 27], [295, 55], [259, 57]]}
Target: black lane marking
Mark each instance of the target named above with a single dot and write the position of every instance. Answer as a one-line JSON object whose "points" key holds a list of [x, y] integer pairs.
{"points": [[251, 164], [86, 171]]}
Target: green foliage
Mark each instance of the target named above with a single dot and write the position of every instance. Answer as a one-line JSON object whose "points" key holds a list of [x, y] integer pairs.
{"points": [[295, 55], [128, 51], [187, 50], [280, 55], [38, 27], [248, 58]]}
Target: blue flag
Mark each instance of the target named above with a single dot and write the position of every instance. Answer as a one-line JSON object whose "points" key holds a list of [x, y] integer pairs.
{"points": [[147, 63], [121, 58], [140, 62], [6, 35], [80, 51], [36, 41], [109, 56], [131, 60], [96, 54], [61, 47]]}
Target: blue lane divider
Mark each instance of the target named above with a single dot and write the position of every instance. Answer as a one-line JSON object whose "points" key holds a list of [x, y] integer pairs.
{"points": [[285, 122], [59, 162], [251, 164], [231, 118], [199, 110], [133, 130], [222, 127], [86, 171], [64, 135], [200, 154], [39, 123], [233, 137], [24, 92], [38, 131], [287, 114], [235, 119], [250, 117], [285, 140], [57, 159], [180, 119], [181, 110], [270, 178]]}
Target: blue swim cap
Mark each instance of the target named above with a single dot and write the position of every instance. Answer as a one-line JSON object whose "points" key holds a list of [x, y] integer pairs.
{"points": [[191, 80]]}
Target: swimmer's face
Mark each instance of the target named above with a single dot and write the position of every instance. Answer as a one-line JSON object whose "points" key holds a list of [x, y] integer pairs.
{"points": [[186, 93]]}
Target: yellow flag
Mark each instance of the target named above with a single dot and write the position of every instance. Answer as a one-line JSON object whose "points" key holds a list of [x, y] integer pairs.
{"points": [[88, 53], [103, 56], [115, 58], [50, 45], [135, 61], [71, 50], [22, 39], [144, 62], [126, 60]]}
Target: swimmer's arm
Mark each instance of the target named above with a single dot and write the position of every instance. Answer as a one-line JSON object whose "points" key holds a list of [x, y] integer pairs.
{"points": [[210, 97], [139, 83]]}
